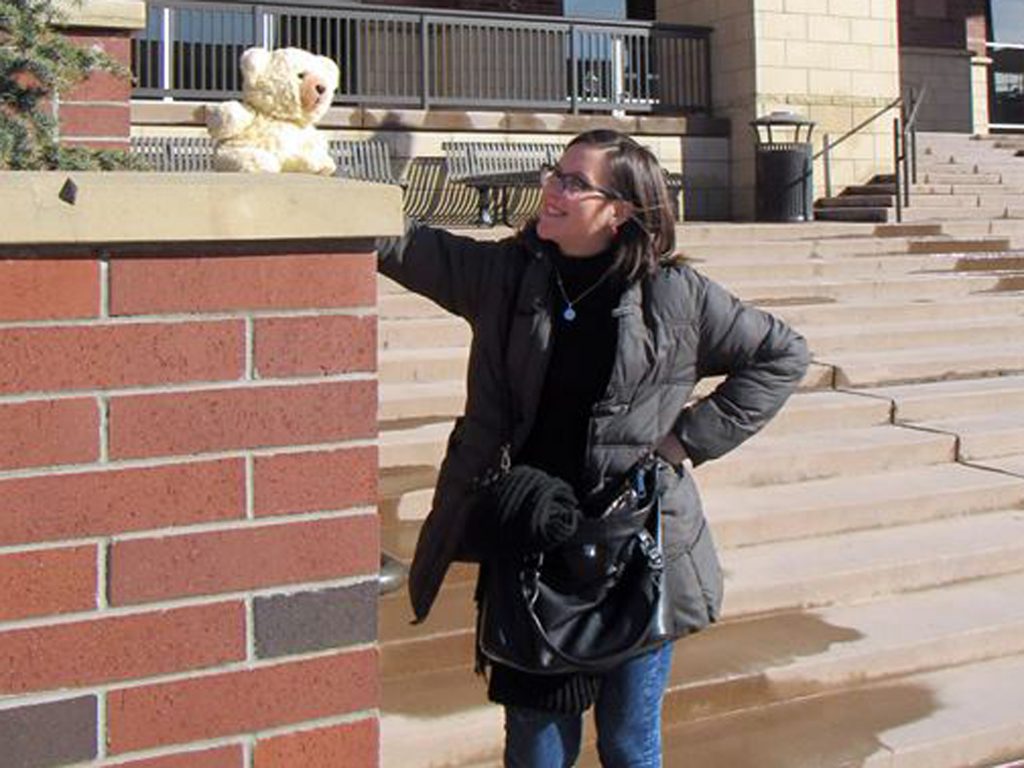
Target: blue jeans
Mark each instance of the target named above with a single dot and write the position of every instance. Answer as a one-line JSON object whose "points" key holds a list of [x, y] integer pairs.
{"points": [[627, 714]]}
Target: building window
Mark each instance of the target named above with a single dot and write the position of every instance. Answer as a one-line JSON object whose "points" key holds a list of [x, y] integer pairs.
{"points": [[1007, 21], [1006, 47], [595, 9]]}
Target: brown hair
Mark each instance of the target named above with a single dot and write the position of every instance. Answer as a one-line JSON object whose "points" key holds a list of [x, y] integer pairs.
{"points": [[649, 235]]}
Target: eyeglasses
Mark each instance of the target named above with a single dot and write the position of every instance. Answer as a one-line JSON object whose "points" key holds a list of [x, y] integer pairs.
{"points": [[572, 184]]}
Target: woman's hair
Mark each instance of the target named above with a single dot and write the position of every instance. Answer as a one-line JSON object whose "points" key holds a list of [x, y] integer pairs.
{"points": [[649, 235]]}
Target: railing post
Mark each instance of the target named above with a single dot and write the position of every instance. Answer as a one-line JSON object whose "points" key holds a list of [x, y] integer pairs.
{"points": [[263, 27], [896, 166], [827, 162], [913, 153], [424, 63], [166, 49], [574, 74]]}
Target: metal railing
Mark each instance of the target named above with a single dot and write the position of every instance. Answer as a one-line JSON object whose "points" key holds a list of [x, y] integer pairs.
{"points": [[420, 59], [904, 147]]}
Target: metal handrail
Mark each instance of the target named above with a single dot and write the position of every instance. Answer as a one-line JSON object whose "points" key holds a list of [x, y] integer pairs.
{"points": [[903, 125], [828, 146]]}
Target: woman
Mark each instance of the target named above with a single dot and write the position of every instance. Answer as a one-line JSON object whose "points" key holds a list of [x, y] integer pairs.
{"points": [[587, 342]]}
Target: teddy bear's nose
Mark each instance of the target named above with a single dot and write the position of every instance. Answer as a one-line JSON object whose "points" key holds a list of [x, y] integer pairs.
{"points": [[320, 89]]}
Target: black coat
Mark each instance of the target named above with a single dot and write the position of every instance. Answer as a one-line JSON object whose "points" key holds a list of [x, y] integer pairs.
{"points": [[675, 327]]}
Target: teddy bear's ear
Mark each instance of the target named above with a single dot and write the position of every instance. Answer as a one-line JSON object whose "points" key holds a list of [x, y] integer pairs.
{"points": [[253, 62], [330, 69]]}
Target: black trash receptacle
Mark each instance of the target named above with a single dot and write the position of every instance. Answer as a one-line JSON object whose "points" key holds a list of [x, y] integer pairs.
{"points": [[783, 167]]}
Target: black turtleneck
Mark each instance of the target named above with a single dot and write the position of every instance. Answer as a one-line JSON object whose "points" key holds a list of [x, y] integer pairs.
{"points": [[583, 352]]}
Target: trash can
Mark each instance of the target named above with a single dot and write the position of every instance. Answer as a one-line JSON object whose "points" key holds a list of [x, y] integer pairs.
{"points": [[783, 167]]}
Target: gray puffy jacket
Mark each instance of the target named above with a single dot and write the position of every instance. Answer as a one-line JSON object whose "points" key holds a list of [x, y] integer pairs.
{"points": [[675, 327]]}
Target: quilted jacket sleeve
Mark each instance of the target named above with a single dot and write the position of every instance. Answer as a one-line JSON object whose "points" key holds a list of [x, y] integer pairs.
{"points": [[449, 269], [763, 361]]}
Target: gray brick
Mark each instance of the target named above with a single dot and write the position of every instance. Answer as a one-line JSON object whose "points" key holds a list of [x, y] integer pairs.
{"points": [[41, 735], [315, 621]]}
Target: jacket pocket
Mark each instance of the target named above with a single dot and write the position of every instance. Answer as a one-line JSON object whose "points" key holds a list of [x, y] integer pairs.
{"points": [[707, 570], [694, 581]]}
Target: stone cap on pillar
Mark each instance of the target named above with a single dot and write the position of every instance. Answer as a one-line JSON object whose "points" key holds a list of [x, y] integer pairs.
{"points": [[105, 14], [62, 207]]}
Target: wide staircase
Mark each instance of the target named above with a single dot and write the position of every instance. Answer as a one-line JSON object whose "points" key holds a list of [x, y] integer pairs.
{"points": [[958, 177], [872, 535]]}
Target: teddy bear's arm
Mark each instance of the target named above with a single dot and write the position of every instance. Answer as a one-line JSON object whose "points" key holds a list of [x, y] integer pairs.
{"points": [[227, 119]]}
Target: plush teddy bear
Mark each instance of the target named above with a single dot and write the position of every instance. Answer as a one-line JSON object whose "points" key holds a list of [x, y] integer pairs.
{"points": [[284, 93]]}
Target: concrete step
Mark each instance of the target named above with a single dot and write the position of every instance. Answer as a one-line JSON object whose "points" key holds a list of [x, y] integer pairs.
{"points": [[433, 400], [1011, 465], [967, 188], [962, 243], [692, 233], [1012, 228], [767, 659], [423, 364], [924, 212], [745, 516], [871, 368], [920, 334], [404, 494], [826, 411], [961, 166], [789, 575], [862, 564], [874, 245], [946, 399], [407, 305], [725, 669], [859, 200], [944, 177], [1006, 305], [907, 287], [415, 446], [831, 268], [964, 716], [867, 214], [423, 444], [768, 459], [405, 333], [984, 436]]}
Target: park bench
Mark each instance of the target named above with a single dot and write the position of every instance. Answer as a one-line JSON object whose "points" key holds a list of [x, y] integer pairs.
{"points": [[495, 169], [362, 159]]}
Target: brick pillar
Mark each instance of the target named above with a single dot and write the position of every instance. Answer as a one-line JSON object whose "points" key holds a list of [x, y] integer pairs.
{"points": [[188, 527], [97, 112]]}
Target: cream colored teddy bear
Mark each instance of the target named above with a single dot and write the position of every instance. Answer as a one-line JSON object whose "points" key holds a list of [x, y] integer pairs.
{"points": [[284, 93]]}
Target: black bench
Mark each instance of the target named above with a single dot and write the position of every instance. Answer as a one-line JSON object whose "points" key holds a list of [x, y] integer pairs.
{"points": [[496, 168], [174, 153], [362, 159]]}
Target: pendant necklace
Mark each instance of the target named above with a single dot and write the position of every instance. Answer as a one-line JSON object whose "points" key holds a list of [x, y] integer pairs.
{"points": [[569, 313]]}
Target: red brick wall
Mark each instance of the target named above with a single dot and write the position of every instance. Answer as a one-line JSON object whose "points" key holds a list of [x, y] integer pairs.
{"points": [[188, 532], [97, 112]]}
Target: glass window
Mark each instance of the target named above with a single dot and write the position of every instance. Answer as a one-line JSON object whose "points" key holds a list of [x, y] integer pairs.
{"points": [[595, 9], [1007, 21]]}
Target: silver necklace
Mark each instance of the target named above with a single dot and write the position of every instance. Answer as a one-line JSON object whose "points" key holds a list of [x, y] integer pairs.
{"points": [[569, 313]]}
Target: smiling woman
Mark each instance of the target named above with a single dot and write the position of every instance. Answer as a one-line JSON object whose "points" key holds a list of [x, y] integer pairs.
{"points": [[588, 341]]}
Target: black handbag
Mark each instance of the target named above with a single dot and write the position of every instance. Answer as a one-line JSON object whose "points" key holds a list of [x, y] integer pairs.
{"points": [[591, 603]]}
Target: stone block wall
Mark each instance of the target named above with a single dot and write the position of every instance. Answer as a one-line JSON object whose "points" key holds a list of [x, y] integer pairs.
{"points": [[188, 529], [833, 61]]}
